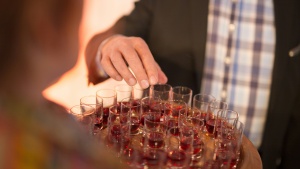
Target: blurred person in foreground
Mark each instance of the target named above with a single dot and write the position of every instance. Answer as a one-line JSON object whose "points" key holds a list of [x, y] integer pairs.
{"points": [[38, 42], [237, 50]]}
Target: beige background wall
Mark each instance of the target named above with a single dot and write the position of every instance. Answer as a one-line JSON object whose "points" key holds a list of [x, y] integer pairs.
{"points": [[98, 15]]}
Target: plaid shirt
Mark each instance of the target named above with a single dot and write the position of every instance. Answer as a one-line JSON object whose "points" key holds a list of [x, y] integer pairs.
{"points": [[239, 59]]}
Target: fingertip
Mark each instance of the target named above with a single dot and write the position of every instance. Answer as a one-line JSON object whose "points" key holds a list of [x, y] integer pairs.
{"points": [[131, 81], [153, 80], [162, 78], [144, 84], [118, 78]]}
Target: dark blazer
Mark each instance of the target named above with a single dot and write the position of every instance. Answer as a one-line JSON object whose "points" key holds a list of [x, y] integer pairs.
{"points": [[175, 31], [281, 141]]}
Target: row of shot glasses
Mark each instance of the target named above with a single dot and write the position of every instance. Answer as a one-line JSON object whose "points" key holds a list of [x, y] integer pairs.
{"points": [[171, 125]]}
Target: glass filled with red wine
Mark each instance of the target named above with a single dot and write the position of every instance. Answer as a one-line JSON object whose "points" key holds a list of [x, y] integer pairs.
{"points": [[213, 117], [118, 133], [153, 133], [230, 136], [150, 106], [179, 147], [109, 98], [132, 107], [97, 103], [202, 103]]}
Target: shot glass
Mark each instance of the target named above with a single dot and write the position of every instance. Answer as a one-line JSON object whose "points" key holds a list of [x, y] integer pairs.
{"points": [[123, 91], [172, 110], [224, 157], [190, 113], [231, 137], [97, 103], [162, 91], [228, 114], [195, 124], [153, 134], [154, 158], [109, 98], [138, 92], [213, 117], [84, 114], [224, 115], [133, 157], [150, 106], [118, 134], [202, 102], [174, 107], [132, 107], [179, 147], [182, 93]]}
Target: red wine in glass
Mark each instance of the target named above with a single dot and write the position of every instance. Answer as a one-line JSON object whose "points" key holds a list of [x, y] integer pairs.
{"points": [[234, 162], [197, 145], [203, 116], [174, 131], [142, 121], [115, 130], [98, 118], [225, 157], [210, 125], [152, 121], [185, 143], [105, 115], [98, 123], [135, 124], [156, 139], [118, 129], [142, 140], [218, 128], [155, 157], [177, 158], [212, 164], [123, 142], [119, 142], [145, 108], [153, 116], [132, 156], [168, 124]]}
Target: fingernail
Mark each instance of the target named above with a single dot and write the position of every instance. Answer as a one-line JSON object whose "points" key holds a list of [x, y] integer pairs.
{"points": [[153, 80], [144, 84], [118, 78], [131, 81]]}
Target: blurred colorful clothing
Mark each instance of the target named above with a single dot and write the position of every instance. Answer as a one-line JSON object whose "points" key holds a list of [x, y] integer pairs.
{"points": [[47, 137]]}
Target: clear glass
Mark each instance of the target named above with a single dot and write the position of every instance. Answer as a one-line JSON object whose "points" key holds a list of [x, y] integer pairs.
{"points": [[182, 93], [97, 103]]}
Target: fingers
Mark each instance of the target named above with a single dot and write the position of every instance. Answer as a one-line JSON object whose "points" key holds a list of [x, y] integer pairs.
{"points": [[153, 70], [147, 61], [119, 51], [115, 65], [113, 61], [122, 68], [109, 68], [144, 69]]}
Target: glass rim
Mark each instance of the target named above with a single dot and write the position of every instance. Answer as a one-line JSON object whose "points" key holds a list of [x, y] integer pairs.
{"points": [[78, 109], [113, 93]]}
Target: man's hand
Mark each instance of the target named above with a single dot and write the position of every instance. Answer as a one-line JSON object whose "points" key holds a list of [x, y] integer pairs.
{"points": [[119, 53]]}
